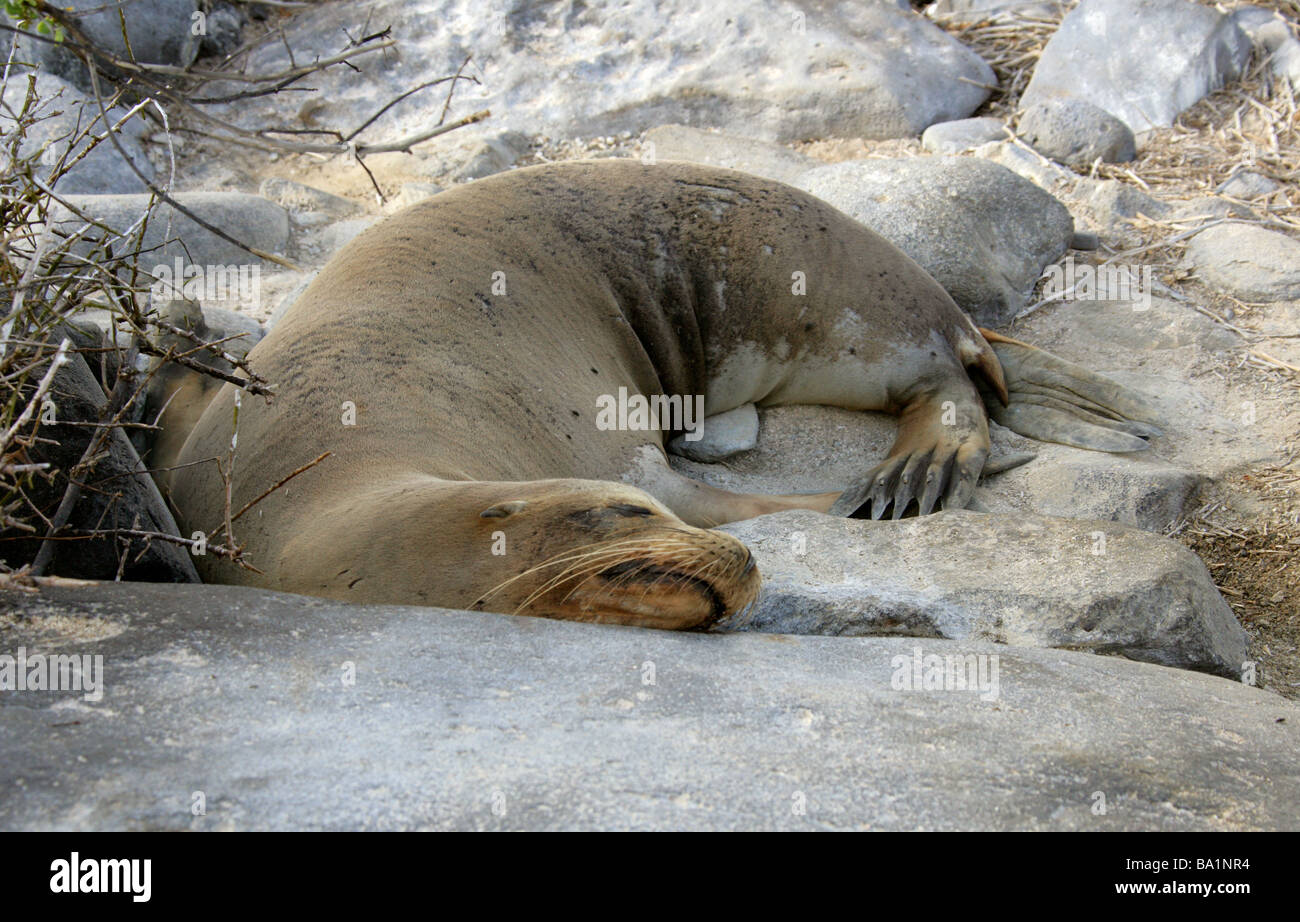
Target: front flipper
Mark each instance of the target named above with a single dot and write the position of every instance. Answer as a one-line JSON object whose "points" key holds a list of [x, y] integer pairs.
{"points": [[943, 440], [1053, 400]]}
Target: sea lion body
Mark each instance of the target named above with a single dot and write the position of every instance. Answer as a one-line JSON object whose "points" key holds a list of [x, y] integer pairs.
{"points": [[476, 333]]}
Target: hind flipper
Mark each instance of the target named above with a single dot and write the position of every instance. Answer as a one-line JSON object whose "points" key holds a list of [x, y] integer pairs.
{"points": [[942, 443], [1053, 400]]}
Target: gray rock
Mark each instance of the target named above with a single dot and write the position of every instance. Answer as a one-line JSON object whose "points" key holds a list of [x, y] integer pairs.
{"points": [[217, 321], [288, 300], [982, 231], [459, 720], [333, 237], [1111, 206], [1257, 22], [975, 10], [1033, 166], [1085, 240], [249, 218], [117, 494], [1247, 261], [1272, 35], [296, 197], [1246, 184], [1166, 352], [413, 192], [1022, 580], [1076, 133], [758, 68], [1204, 207], [159, 32], [223, 323], [224, 28], [801, 449], [723, 435], [1285, 62], [772, 161], [1143, 61], [1144, 493], [66, 115], [962, 135], [493, 155]]}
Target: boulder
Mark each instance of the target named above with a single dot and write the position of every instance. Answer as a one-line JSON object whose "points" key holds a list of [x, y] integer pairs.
{"points": [[721, 436], [1143, 61], [297, 197], [492, 155], [983, 232], [1028, 163], [66, 115], [1273, 35], [1076, 133], [223, 29], [159, 31], [1247, 261], [771, 161], [292, 713], [1147, 493], [1247, 184], [171, 236], [1111, 206], [1024, 580], [977, 10], [767, 69], [962, 135]]}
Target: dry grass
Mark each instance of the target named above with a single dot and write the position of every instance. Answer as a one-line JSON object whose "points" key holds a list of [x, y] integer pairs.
{"points": [[1255, 561], [1252, 124], [1011, 46]]}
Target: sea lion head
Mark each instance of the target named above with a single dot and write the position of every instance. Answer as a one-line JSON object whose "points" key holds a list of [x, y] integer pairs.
{"points": [[605, 552]]}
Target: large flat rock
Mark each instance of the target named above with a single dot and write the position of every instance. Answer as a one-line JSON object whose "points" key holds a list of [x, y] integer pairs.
{"points": [[459, 720]]}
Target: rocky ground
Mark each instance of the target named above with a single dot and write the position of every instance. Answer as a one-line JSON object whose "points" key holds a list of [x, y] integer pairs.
{"points": [[1005, 145], [460, 720]]}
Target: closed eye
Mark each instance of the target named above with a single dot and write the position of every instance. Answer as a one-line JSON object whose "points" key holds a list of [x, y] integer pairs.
{"points": [[629, 509]]}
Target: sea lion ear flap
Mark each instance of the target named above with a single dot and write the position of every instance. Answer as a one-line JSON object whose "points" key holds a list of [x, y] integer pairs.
{"points": [[502, 510]]}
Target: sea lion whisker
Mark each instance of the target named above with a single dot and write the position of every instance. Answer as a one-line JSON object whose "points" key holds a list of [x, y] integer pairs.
{"points": [[588, 564], [676, 575], [705, 568], [570, 555], [587, 568], [620, 580], [575, 571]]}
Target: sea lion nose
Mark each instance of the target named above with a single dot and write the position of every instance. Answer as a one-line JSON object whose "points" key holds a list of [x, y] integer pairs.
{"points": [[749, 563]]}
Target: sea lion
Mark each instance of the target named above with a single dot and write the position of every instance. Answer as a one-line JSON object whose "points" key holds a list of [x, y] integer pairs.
{"points": [[453, 358]]}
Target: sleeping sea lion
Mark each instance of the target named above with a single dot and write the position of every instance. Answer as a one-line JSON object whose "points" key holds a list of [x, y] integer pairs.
{"points": [[455, 360]]}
